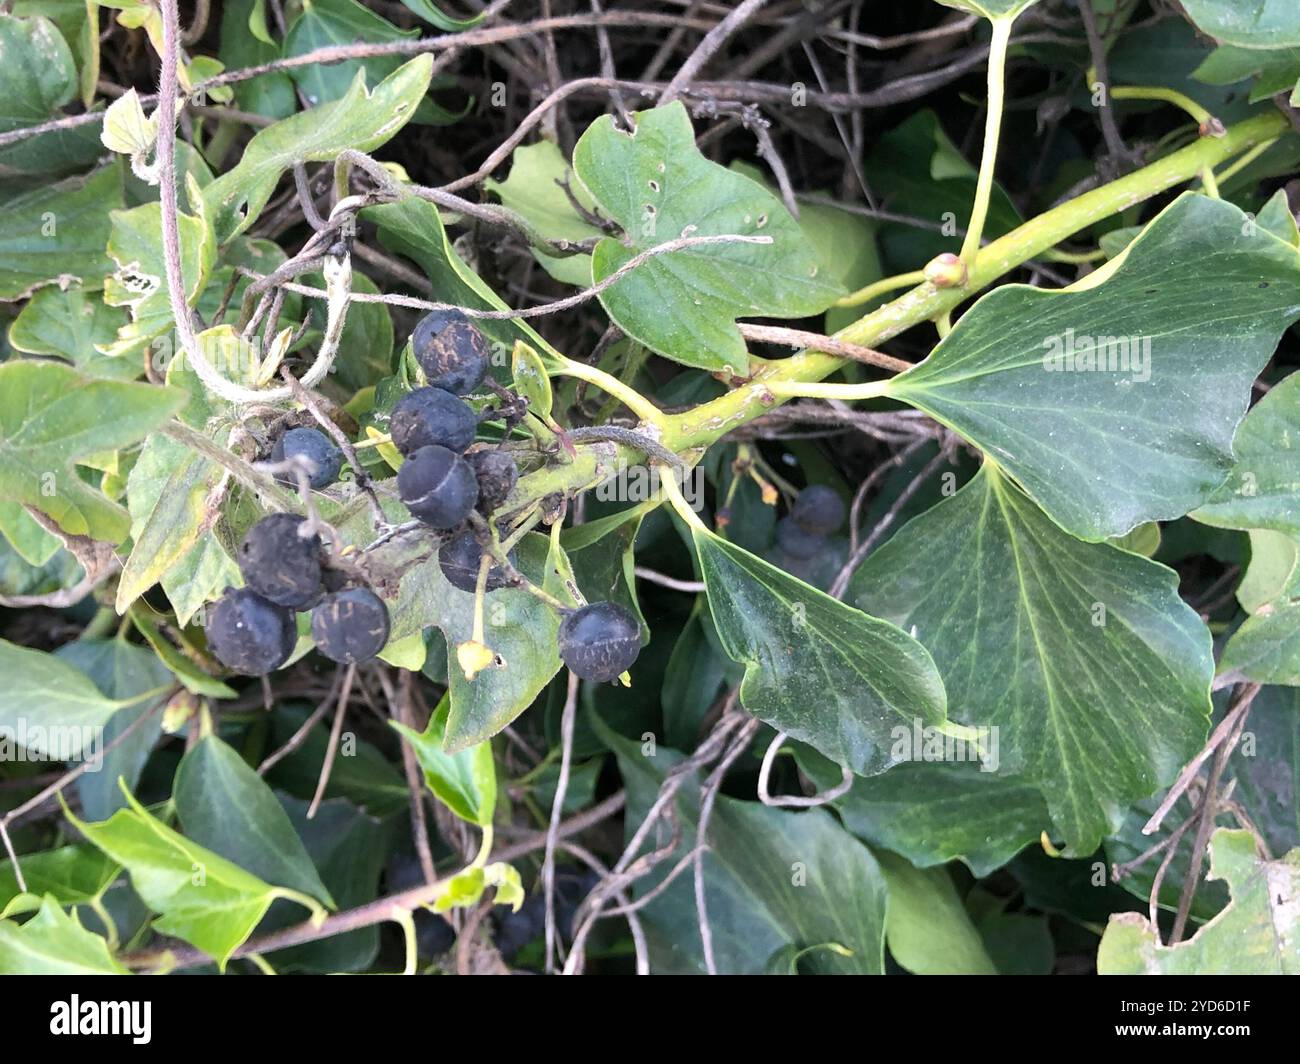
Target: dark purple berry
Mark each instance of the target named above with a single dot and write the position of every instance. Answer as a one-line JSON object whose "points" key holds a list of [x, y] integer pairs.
{"points": [[819, 509], [350, 626], [438, 486], [599, 642], [248, 634], [451, 350], [432, 417], [497, 476], [312, 444], [796, 540], [280, 563], [459, 560]]}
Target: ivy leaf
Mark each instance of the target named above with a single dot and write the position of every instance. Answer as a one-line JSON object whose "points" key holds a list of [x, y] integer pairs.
{"points": [[1197, 304], [134, 678], [361, 119], [1257, 934], [37, 74], [327, 23], [46, 693], [1095, 673], [54, 943], [1263, 490], [820, 671], [928, 929], [70, 324], [465, 782], [69, 875], [933, 812], [431, 13], [246, 41], [773, 879], [1247, 23], [520, 629], [1273, 572], [224, 805], [50, 416], [55, 234], [200, 896], [1266, 648], [658, 186], [533, 190]]}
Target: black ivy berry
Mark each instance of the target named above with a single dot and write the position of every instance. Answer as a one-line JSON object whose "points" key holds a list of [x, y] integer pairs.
{"points": [[497, 475], [438, 486], [248, 634], [280, 563], [350, 626], [451, 350], [599, 642], [459, 560], [796, 540], [819, 509], [312, 444], [430, 417]]}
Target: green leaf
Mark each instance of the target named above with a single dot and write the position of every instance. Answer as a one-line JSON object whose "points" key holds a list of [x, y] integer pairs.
{"points": [[54, 943], [533, 191], [1247, 23], [330, 23], [1266, 648], [69, 875], [1094, 672], [56, 234], [928, 929], [519, 628], [531, 382], [51, 416], [246, 42], [465, 782], [140, 281], [70, 324], [225, 806], [820, 671], [200, 896], [1263, 489], [933, 812], [431, 13], [136, 680], [1273, 572], [413, 227], [1257, 934], [658, 186], [1197, 304], [772, 878], [991, 9], [362, 120], [33, 544], [37, 75], [43, 693]]}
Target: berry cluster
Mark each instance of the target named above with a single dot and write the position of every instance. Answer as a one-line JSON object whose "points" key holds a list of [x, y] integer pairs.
{"points": [[252, 630], [805, 543]]}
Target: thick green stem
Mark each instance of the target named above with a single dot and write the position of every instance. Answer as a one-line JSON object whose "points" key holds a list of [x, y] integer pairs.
{"points": [[703, 424]]}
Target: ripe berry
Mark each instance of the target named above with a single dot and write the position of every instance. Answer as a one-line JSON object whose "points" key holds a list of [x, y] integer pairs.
{"points": [[312, 444], [280, 563], [819, 509], [438, 486], [249, 635], [497, 476], [459, 560], [796, 540], [350, 626], [600, 641], [432, 417], [451, 351]]}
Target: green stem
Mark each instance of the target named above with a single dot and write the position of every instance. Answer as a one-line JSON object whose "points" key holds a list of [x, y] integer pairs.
{"points": [[882, 287], [611, 385], [970, 249], [1180, 100]]}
